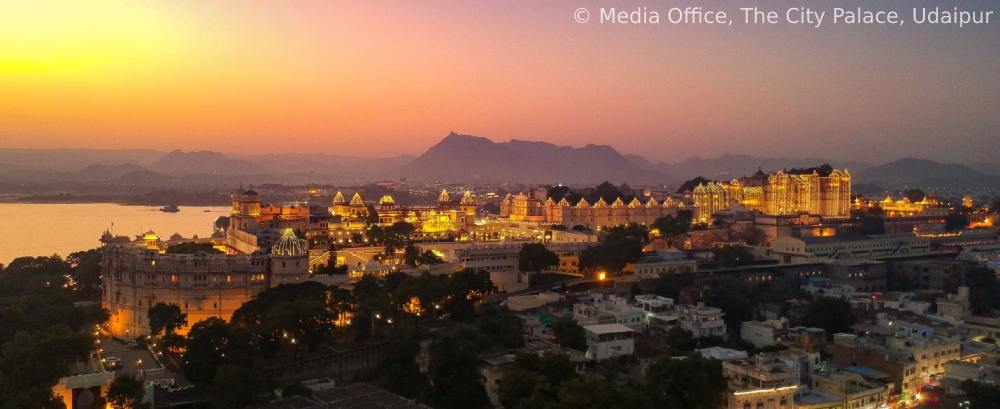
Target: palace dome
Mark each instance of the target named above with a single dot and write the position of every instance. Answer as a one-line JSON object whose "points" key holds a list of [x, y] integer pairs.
{"points": [[289, 245]]}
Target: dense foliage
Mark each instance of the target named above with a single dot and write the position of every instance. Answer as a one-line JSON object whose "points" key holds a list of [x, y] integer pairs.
{"points": [[42, 331]]}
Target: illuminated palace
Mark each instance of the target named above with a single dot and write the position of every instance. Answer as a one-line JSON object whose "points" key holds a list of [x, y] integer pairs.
{"points": [[581, 212], [448, 216], [344, 219], [822, 191], [139, 273]]}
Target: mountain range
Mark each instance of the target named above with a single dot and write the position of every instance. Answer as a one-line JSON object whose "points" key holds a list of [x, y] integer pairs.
{"points": [[456, 158]]}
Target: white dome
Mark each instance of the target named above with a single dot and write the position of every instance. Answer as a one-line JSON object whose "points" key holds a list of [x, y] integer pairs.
{"points": [[289, 245]]}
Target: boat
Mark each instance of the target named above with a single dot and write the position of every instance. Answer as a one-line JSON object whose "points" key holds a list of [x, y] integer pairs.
{"points": [[170, 209]]}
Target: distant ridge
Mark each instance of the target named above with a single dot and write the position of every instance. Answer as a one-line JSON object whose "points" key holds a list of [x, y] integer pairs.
{"points": [[203, 162], [465, 157], [925, 173]]}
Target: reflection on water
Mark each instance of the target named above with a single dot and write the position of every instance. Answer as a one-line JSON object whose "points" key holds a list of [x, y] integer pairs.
{"points": [[46, 229]]}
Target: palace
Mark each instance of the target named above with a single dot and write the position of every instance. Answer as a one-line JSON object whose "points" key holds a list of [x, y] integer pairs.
{"points": [[137, 274], [822, 191], [539, 208], [349, 220]]}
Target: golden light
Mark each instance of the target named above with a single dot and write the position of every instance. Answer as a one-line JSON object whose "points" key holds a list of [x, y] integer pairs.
{"points": [[413, 306], [602, 276]]}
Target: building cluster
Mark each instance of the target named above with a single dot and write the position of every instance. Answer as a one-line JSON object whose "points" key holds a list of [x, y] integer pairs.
{"points": [[821, 191]]}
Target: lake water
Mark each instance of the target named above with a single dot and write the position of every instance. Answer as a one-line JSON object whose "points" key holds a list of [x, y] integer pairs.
{"points": [[46, 229]]}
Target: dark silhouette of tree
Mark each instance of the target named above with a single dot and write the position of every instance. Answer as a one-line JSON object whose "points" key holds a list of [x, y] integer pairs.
{"points": [[672, 226], [535, 257], [85, 269], [398, 371], [831, 314], [569, 334], [619, 246], [690, 383], [500, 327], [981, 395], [192, 248], [734, 302], [871, 224], [984, 290], [164, 321], [125, 392], [915, 195], [733, 256], [956, 221], [680, 340], [455, 378]]}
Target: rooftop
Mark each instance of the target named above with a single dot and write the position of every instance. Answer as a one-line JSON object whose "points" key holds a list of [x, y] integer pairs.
{"points": [[607, 328]]}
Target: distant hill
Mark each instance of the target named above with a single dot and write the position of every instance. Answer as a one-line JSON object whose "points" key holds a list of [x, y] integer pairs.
{"points": [[104, 172], [730, 166], [71, 160], [180, 162], [927, 174], [464, 157]]}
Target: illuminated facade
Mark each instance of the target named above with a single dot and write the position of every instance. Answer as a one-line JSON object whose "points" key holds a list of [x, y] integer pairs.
{"points": [[447, 217], [821, 191], [138, 274], [522, 207]]}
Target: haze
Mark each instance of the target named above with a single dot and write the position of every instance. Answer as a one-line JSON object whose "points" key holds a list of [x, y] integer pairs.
{"points": [[382, 78]]}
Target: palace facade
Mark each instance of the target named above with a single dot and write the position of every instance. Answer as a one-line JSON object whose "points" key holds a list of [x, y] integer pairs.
{"points": [[822, 191], [581, 212], [139, 273]]}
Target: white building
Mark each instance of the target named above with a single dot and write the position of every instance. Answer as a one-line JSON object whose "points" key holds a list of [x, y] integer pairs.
{"points": [[723, 354], [849, 247], [762, 333], [606, 341], [661, 262], [607, 309], [702, 321]]}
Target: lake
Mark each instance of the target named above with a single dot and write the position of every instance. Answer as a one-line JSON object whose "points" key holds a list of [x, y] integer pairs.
{"points": [[46, 229]]}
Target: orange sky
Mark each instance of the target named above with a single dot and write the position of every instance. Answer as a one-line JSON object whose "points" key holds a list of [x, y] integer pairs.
{"points": [[382, 78]]}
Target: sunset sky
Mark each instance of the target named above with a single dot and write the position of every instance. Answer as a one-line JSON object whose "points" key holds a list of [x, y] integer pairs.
{"points": [[379, 78]]}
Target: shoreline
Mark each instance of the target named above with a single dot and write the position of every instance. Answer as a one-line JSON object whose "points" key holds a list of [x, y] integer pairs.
{"points": [[102, 199]]}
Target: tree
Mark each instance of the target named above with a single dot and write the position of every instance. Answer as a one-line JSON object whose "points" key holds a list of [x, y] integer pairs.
{"points": [[331, 269], [501, 327], [234, 386], [598, 394], [680, 339], [535, 257], [85, 269], [984, 290], [831, 314], [455, 378], [166, 319], [689, 383], [398, 371], [671, 285], [734, 302], [203, 352], [733, 256], [289, 316], [670, 226], [465, 289], [569, 334], [956, 221], [915, 195], [981, 395], [125, 392], [871, 224], [619, 246]]}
